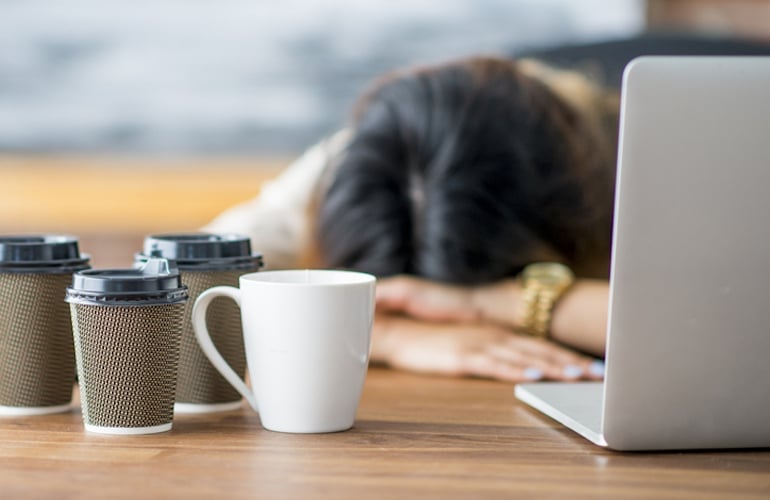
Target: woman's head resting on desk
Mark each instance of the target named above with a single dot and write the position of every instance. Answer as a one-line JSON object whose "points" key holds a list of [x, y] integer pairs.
{"points": [[466, 172]]}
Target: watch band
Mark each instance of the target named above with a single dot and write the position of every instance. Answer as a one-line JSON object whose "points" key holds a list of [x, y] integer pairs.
{"points": [[543, 284]]}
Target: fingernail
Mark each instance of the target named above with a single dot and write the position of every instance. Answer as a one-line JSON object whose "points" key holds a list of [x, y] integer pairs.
{"points": [[533, 374], [597, 368], [572, 371]]}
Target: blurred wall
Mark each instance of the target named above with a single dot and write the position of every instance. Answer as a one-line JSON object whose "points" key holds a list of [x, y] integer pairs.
{"points": [[242, 77]]}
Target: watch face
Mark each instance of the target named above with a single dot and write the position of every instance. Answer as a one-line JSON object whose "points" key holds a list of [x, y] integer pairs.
{"points": [[548, 273]]}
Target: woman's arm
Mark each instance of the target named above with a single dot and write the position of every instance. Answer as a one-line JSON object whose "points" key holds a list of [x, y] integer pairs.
{"points": [[579, 318]]}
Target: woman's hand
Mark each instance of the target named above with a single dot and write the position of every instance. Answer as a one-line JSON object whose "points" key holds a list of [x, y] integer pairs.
{"points": [[427, 300], [479, 350]]}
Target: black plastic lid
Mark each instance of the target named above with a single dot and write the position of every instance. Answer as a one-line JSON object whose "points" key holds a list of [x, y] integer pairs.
{"points": [[157, 282], [202, 251], [41, 254]]}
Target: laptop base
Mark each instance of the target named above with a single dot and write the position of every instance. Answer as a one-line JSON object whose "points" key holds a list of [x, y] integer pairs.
{"points": [[577, 406]]}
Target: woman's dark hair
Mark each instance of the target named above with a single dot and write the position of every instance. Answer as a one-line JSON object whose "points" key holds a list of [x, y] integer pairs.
{"points": [[464, 173]]}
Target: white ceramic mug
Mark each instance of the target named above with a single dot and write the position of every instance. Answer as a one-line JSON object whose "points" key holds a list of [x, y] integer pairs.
{"points": [[307, 335]]}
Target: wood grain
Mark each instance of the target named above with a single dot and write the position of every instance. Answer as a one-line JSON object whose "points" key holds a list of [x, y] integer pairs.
{"points": [[415, 436]]}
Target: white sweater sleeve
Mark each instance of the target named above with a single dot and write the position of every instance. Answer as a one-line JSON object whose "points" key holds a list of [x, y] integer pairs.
{"points": [[277, 219]]}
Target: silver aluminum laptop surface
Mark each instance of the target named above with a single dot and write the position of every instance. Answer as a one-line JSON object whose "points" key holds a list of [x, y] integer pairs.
{"points": [[688, 341]]}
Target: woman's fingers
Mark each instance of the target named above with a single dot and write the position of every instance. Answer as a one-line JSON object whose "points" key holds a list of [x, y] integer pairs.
{"points": [[556, 362], [550, 360]]}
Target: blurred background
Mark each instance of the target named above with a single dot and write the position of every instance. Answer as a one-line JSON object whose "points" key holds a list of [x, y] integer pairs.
{"points": [[120, 119], [241, 77]]}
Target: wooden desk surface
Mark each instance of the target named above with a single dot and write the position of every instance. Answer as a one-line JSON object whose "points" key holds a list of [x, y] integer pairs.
{"points": [[415, 436]]}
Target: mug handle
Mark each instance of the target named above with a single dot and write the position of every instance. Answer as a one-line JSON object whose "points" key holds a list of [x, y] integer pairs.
{"points": [[207, 345]]}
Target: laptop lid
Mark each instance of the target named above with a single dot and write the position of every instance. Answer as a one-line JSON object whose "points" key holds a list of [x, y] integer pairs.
{"points": [[688, 353]]}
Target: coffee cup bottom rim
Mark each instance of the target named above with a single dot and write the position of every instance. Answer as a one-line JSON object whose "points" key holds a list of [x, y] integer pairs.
{"points": [[191, 408], [128, 431], [21, 411]]}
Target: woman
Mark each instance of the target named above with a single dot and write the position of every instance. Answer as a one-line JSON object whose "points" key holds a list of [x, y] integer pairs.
{"points": [[450, 181]]}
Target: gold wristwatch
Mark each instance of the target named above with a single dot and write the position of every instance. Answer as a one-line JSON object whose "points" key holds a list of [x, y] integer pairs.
{"points": [[543, 284]]}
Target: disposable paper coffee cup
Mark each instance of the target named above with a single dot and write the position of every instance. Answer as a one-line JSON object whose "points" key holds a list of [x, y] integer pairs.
{"points": [[127, 325], [37, 360], [206, 260]]}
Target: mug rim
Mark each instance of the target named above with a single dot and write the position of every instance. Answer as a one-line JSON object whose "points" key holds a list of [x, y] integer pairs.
{"points": [[273, 277]]}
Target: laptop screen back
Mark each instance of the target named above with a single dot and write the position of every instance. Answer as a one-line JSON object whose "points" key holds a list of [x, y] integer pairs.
{"points": [[688, 355]]}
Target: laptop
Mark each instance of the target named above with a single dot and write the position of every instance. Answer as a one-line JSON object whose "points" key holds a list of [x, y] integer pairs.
{"points": [[688, 338]]}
